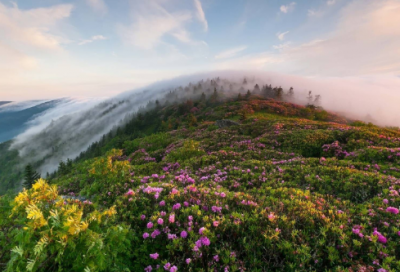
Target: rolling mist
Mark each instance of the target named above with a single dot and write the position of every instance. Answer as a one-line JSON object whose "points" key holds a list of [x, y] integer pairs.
{"points": [[70, 128]]}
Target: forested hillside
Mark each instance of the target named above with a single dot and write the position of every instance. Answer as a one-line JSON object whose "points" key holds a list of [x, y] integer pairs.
{"points": [[220, 181]]}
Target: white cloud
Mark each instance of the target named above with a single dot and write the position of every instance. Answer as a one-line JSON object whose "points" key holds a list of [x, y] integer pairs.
{"points": [[330, 2], [200, 14], [281, 46], [287, 8], [97, 5], [94, 38], [33, 27], [314, 13], [230, 53], [151, 23], [281, 36]]}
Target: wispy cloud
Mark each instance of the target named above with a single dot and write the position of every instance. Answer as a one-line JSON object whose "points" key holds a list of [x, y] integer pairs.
{"points": [[314, 13], [354, 47], [331, 2], [281, 36], [230, 52], [151, 23], [200, 14], [34, 27], [98, 5], [287, 8], [94, 38], [281, 46]]}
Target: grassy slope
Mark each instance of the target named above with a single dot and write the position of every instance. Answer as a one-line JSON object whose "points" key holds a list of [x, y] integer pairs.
{"points": [[280, 192]]}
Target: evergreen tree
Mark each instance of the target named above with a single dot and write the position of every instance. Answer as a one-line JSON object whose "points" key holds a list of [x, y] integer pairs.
{"points": [[248, 94], [317, 100], [310, 98], [291, 92], [239, 98], [30, 176], [278, 93]]}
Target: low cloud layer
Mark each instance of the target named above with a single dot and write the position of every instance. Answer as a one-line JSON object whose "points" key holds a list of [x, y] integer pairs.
{"points": [[65, 131]]}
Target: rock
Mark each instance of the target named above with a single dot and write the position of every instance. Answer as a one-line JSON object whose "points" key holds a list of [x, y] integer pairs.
{"points": [[226, 123]]}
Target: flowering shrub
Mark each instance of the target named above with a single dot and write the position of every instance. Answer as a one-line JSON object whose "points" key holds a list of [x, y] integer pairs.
{"points": [[55, 231], [277, 193]]}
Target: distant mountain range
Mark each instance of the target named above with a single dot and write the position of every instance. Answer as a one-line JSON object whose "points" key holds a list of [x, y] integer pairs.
{"points": [[14, 116]]}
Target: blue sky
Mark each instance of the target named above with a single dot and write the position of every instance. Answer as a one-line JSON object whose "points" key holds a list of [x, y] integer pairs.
{"points": [[56, 48]]}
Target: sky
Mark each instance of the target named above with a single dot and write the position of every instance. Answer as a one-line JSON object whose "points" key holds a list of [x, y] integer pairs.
{"points": [[99, 48]]}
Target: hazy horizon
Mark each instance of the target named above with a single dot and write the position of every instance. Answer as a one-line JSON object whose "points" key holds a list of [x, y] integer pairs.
{"points": [[100, 48]]}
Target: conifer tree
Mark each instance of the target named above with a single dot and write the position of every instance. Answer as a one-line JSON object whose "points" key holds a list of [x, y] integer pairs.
{"points": [[291, 92], [30, 176]]}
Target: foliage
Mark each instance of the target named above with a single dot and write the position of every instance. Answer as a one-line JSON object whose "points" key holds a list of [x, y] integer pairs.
{"points": [[30, 176], [58, 234], [291, 188]]}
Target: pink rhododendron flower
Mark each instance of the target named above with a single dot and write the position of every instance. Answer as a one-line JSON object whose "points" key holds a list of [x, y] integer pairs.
{"points": [[154, 256], [392, 210]]}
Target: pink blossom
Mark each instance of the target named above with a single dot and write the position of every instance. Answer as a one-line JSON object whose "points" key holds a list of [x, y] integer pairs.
{"points": [[154, 256], [392, 210], [149, 225], [160, 221]]}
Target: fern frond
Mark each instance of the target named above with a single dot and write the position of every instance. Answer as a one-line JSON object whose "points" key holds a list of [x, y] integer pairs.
{"points": [[18, 250]]}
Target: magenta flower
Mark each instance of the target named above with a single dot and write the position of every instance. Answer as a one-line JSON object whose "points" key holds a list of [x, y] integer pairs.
{"points": [[188, 260], [149, 225], [155, 233], [172, 218], [173, 269], [130, 192], [177, 206], [143, 217], [392, 210], [154, 256], [183, 234], [167, 266], [205, 241], [162, 203], [146, 235], [163, 213], [385, 201], [216, 258], [381, 239], [190, 218], [148, 269], [160, 221], [201, 230]]}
